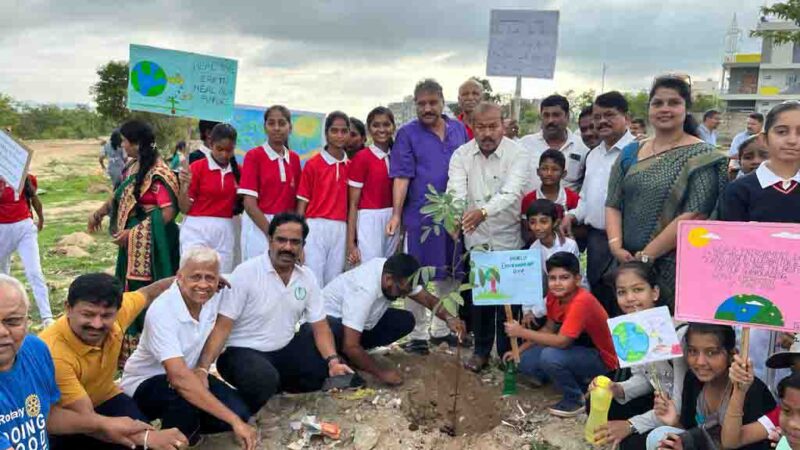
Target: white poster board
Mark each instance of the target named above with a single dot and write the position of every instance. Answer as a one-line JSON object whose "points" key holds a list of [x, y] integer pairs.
{"points": [[644, 337], [14, 161], [522, 43]]}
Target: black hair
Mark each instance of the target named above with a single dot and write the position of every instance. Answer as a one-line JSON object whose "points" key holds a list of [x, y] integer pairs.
{"points": [[332, 118], [757, 116], [639, 121], [284, 218], [683, 89], [554, 155], [29, 191], [612, 99], [564, 260], [97, 288], [544, 207], [359, 126], [777, 110], [205, 127], [428, 85], [382, 111], [141, 133], [642, 270], [178, 147], [792, 381], [555, 100], [280, 108], [401, 266], [724, 334], [223, 131], [115, 139], [710, 113], [586, 111], [746, 143]]}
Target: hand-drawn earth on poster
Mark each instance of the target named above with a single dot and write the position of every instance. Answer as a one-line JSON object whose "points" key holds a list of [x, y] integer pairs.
{"points": [[645, 336], [307, 137], [630, 341]]}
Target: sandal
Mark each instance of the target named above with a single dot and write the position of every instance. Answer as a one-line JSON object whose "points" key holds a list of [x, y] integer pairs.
{"points": [[476, 363]]}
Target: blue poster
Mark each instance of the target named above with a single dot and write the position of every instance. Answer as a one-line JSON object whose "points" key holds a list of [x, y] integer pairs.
{"points": [[181, 84], [512, 277], [307, 137]]}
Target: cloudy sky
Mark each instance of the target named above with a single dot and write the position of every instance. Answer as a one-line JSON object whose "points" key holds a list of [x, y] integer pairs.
{"points": [[321, 55]]}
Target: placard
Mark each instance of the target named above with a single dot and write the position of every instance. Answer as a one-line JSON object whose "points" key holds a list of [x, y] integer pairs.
{"points": [[644, 337], [522, 43], [307, 137], [512, 277], [738, 273], [181, 84], [15, 158]]}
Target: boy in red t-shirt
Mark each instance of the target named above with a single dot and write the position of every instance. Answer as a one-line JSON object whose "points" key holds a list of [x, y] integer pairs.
{"points": [[574, 346]]}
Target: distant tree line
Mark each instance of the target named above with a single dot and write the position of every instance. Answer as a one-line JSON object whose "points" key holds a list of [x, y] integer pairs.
{"points": [[51, 121]]}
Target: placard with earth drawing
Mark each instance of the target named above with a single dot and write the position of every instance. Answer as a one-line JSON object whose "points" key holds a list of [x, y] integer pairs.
{"points": [[644, 337], [737, 273], [512, 277], [181, 83], [306, 139]]}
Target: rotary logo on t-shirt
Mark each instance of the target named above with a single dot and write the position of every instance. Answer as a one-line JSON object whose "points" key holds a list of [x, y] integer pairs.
{"points": [[28, 427], [300, 293]]}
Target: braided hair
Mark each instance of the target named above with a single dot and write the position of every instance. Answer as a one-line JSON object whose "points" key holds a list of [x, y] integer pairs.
{"points": [[141, 133]]}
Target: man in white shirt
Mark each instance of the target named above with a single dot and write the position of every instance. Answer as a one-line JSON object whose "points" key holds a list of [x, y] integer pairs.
{"points": [[162, 374], [554, 112], [487, 173], [610, 116], [358, 301], [272, 293]]}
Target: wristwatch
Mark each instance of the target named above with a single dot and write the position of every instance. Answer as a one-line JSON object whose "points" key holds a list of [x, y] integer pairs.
{"points": [[644, 258], [632, 427], [331, 358], [485, 213]]}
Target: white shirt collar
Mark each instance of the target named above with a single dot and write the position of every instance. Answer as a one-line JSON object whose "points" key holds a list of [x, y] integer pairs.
{"points": [[767, 178], [212, 165], [273, 155], [178, 304], [570, 139], [498, 151], [206, 151], [380, 154], [623, 142], [562, 196], [330, 159]]}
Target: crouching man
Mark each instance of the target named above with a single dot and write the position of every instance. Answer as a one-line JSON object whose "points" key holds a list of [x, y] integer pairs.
{"points": [[161, 375], [358, 302]]}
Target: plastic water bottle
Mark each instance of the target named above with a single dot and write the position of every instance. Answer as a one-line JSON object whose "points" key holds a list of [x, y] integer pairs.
{"points": [[783, 444], [600, 403]]}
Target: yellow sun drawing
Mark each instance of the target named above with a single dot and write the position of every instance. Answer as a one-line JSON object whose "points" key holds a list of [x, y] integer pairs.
{"points": [[697, 237]]}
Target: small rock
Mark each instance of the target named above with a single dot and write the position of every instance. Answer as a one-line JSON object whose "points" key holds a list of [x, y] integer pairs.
{"points": [[71, 251], [98, 189], [365, 438], [358, 417], [77, 239]]}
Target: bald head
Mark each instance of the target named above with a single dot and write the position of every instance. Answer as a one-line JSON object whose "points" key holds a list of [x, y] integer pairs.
{"points": [[469, 95]]}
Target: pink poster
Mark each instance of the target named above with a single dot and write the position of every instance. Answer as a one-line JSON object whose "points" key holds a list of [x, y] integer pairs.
{"points": [[739, 273]]}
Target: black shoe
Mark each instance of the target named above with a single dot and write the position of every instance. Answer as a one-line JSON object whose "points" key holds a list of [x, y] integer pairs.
{"points": [[416, 346], [450, 339]]}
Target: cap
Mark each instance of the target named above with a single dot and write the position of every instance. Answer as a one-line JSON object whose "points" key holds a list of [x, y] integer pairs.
{"points": [[602, 382], [782, 360]]}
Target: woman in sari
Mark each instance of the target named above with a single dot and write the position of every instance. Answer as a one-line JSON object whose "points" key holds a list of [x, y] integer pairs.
{"points": [[142, 213], [660, 181]]}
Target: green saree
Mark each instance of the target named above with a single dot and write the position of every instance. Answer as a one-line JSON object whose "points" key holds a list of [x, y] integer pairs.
{"points": [[656, 190]]}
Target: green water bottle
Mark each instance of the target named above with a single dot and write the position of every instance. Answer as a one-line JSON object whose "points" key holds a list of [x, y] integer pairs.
{"points": [[510, 379], [600, 403]]}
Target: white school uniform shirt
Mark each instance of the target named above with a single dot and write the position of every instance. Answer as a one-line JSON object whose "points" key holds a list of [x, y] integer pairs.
{"points": [[574, 151], [591, 209], [569, 245], [169, 332], [265, 311], [356, 296]]}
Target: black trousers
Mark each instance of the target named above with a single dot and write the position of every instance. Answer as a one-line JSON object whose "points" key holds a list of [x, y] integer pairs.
{"points": [[158, 400], [600, 266], [297, 367], [118, 406], [394, 325], [487, 327]]}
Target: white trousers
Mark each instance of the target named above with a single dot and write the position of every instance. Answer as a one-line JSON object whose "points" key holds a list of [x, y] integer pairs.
{"points": [[422, 315], [373, 242], [253, 241], [213, 232], [22, 237], [325, 249]]}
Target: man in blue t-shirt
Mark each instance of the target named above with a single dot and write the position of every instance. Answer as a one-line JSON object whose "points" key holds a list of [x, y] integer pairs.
{"points": [[28, 391]]}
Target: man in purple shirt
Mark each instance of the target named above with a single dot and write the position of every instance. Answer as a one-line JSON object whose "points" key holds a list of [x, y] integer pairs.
{"points": [[421, 156]]}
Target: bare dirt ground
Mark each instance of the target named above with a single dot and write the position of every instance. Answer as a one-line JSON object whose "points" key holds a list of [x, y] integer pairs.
{"points": [[407, 417]]}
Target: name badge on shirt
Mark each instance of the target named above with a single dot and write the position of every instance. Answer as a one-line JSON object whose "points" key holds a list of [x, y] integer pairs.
{"points": [[300, 293], [575, 156]]}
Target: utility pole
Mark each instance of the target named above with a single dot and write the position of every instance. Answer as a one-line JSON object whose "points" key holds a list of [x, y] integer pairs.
{"points": [[603, 77]]}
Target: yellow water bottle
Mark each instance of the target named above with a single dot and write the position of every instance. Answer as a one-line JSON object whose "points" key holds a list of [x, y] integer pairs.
{"points": [[600, 403]]}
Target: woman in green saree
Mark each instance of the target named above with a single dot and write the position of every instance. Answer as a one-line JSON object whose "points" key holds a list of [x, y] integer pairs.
{"points": [[658, 182], [142, 213]]}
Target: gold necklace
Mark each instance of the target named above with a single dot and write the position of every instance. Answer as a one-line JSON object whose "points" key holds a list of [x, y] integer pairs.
{"points": [[669, 147]]}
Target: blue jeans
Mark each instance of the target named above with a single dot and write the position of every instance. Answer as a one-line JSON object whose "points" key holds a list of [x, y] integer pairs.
{"points": [[571, 369]]}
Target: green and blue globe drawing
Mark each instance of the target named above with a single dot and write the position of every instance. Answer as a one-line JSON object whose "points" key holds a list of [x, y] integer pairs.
{"points": [[148, 78], [749, 308], [630, 341]]}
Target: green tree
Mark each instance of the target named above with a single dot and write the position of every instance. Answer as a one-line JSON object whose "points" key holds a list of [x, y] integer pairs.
{"points": [[638, 103], [111, 90], [788, 11], [9, 116], [704, 102]]}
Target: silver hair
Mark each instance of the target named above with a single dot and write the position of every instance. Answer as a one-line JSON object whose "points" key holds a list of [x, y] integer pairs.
{"points": [[199, 254], [486, 106], [6, 280]]}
